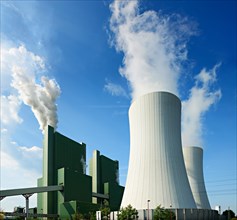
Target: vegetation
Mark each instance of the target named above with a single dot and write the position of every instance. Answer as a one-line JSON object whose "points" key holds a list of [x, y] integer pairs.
{"points": [[77, 216], [92, 216], [87, 216], [2, 216], [128, 213], [160, 213], [105, 210], [229, 214]]}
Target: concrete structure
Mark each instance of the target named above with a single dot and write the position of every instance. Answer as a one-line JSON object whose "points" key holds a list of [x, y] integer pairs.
{"points": [[193, 158], [64, 163], [156, 167]]}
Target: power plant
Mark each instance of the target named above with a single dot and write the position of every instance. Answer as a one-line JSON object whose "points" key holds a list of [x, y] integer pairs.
{"points": [[160, 172], [64, 163]]}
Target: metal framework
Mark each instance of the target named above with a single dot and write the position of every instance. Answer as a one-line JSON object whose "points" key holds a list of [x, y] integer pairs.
{"points": [[28, 192], [32, 190]]}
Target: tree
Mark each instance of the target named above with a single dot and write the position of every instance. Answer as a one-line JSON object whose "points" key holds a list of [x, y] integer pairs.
{"points": [[105, 210], [92, 216], [2, 216], [228, 214], [128, 213], [160, 213], [77, 216]]}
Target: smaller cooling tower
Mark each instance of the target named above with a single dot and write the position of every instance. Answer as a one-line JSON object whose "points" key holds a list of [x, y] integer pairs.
{"points": [[193, 158]]}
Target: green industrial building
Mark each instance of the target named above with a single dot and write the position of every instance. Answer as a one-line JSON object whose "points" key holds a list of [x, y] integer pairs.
{"points": [[64, 163]]}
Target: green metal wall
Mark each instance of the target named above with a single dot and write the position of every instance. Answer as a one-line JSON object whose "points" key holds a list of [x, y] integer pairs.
{"points": [[40, 197], [69, 154], [115, 192], [48, 170], [59, 152], [94, 171], [68, 209], [77, 186], [108, 171], [64, 162], [104, 172]]}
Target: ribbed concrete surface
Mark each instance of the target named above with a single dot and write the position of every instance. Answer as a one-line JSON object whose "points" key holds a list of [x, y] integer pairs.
{"points": [[156, 166], [193, 158]]}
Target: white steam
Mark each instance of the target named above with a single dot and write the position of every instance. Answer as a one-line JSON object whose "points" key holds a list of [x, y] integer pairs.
{"points": [[83, 163], [37, 91], [201, 98], [154, 47]]}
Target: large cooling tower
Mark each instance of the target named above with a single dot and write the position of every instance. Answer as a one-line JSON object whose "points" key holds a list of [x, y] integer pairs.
{"points": [[156, 166], [193, 158]]}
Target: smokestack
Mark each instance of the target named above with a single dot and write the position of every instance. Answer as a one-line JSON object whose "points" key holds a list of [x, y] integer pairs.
{"points": [[193, 158], [156, 167]]}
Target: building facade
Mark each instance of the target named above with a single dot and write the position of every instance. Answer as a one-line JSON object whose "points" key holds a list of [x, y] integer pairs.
{"points": [[64, 163], [105, 179]]}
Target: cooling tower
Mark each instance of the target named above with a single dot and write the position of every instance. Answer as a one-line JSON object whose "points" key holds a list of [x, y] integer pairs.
{"points": [[156, 166], [193, 158]]}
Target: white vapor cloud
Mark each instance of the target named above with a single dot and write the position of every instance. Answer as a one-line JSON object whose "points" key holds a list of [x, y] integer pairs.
{"points": [[115, 89], [34, 89], [155, 51], [201, 98], [154, 47]]}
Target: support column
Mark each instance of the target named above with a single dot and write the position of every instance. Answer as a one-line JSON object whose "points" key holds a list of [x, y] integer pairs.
{"points": [[27, 196]]}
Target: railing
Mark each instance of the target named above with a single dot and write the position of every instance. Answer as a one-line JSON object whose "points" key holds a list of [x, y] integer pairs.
{"points": [[30, 215]]}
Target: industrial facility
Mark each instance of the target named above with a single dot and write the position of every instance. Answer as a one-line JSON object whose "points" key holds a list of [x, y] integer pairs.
{"points": [[160, 172], [156, 165], [64, 163]]}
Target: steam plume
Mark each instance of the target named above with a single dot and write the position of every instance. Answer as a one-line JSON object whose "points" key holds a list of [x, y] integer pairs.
{"points": [[26, 68], [154, 47], [201, 98]]}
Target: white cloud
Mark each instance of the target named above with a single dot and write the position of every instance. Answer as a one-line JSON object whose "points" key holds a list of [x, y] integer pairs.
{"points": [[201, 98], [115, 89], [27, 14], [22, 154], [31, 152], [154, 46], [10, 106], [8, 162], [4, 130], [24, 75], [12, 176]]}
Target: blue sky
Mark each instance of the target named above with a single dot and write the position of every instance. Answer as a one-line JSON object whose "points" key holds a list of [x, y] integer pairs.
{"points": [[90, 59]]}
